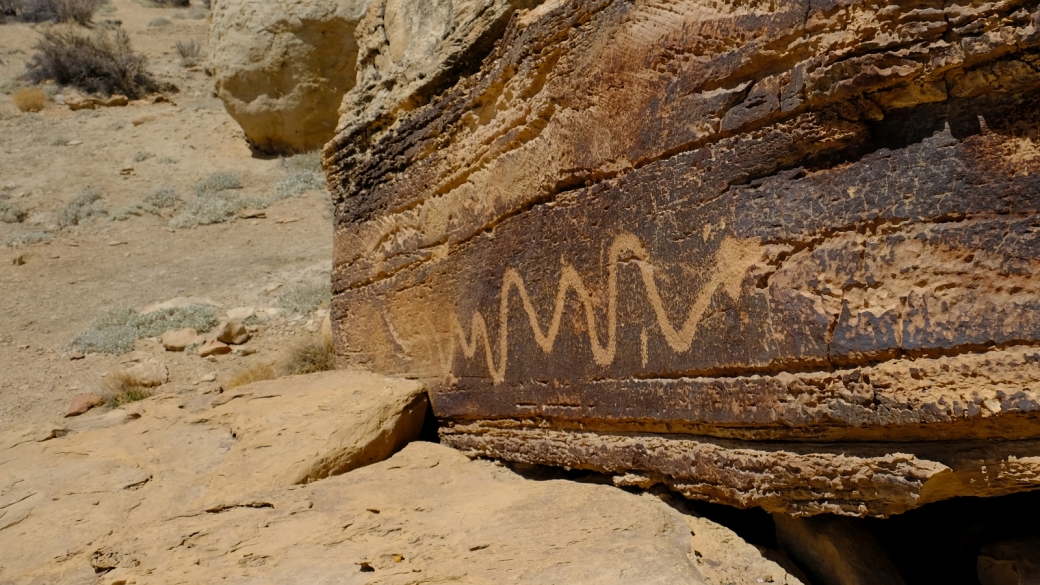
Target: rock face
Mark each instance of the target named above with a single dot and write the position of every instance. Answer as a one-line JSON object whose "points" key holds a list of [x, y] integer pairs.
{"points": [[408, 52], [235, 488], [777, 254], [282, 68]]}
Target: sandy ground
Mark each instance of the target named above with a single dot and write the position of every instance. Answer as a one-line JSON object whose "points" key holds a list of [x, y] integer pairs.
{"points": [[66, 282]]}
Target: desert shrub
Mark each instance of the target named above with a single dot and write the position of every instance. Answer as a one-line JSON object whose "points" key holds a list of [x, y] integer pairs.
{"points": [[217, 182], [214, 203], [190, 52], [164, 197], [303, 173], [10, 86], [166, 160], [255, 373], [306, 298], [115, 330], [78, 11], [102, 62], [195, 13], [11, 213], [120, 388], [81, 208], [172, 3], [29, 99], [142, 155], [59, 141], [313, 355], [26, 239], [159, 22]]}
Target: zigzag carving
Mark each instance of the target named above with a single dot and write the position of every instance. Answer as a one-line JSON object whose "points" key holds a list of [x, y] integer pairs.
{"points": [[732, 261]]}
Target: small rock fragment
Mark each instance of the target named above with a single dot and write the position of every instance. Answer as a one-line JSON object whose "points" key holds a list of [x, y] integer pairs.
{"points": [[83, 402], [213, 347], [178, 340], [142, 120]]}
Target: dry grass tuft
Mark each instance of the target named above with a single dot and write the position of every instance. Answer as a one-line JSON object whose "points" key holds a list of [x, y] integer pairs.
{"points": [[314, 355], [29, 99], [121, 388], [252, 374]]}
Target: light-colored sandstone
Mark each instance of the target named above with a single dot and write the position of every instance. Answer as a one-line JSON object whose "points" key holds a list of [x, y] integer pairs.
{"points": [[282, 67], [81, 403], [179, 339], [204, 488], [214, 347], [233, 333]]}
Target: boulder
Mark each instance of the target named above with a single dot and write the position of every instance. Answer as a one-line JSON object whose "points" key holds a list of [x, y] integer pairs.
{"points": [[81, 403], [734, 251], [234, 333], [149, 373], [194, 489], [214, 347], [180, 339], [282, 68]]}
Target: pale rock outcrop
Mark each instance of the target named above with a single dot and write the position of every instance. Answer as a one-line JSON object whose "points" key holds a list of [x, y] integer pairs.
{"points": [[282, 68], [234, 488], [408, 52]]}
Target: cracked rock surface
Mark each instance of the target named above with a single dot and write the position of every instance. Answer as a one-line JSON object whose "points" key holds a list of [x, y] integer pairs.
{"points": [[719, 247], [261, 484]]}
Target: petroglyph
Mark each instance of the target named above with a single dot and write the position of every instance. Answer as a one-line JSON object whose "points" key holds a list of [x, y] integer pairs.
{"points": [[732, 262]]}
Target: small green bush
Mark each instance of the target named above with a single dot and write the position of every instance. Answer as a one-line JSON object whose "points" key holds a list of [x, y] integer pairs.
{"points": [[142, 155], [120, 389], [78, 11], [166, 160], [303, 173], [159, 22], [11, 213], [81, 208], [59, 141], [307, 298], [115, 330], [190, 52]]}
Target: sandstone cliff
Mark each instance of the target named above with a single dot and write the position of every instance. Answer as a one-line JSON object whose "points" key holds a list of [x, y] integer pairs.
{"points": [[777, 254]]}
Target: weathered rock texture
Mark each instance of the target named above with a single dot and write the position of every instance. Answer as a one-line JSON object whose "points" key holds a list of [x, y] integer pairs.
{"points": [[235, 488], [282, 68], [411, 51], [779, 254]]}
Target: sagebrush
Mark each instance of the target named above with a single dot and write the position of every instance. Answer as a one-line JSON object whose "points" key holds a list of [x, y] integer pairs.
{"points": [[81, 208], [306, 298], [255, 373], [78, 11], [101, 62], [11, 213], [115, 330]]}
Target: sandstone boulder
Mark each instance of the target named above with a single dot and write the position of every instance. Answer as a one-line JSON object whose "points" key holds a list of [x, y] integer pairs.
{"points": [[282, 68], [81, 403], [773, 254], [180, 339], [214, 347], [197, 489], [234, 333]]}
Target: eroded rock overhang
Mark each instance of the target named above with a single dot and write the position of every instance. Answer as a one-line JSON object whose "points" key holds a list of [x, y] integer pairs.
{"points": [[777, 254]]}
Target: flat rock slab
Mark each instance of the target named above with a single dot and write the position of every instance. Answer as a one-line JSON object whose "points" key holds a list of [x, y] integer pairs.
{"points": [[198, 489], [797, 222]]}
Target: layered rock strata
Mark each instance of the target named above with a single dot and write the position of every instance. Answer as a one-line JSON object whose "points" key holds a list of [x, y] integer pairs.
{"points": [[777, 254]]}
